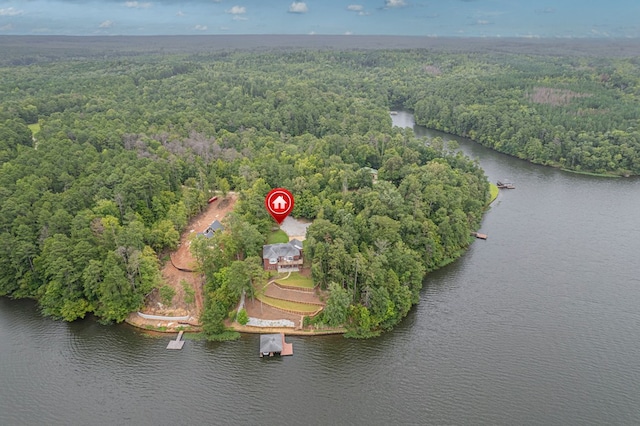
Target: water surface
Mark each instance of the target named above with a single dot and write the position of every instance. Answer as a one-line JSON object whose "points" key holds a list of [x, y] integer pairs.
{"points": [[536, 325]]}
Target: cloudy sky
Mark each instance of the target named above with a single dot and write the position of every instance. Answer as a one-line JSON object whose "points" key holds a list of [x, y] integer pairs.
{"points": [[477, 18]]}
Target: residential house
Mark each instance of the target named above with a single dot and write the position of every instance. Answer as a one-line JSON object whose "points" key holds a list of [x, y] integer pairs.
{"points": [[212, 229], [282, 256]]}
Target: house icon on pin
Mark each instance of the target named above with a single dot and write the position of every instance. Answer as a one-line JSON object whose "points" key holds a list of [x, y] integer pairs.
{"points": [[279, 203]]}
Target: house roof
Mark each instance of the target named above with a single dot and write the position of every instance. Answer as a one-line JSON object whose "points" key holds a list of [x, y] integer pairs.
{"points": [[270, 343], [274, 251], [215, 226], [296, 243]]}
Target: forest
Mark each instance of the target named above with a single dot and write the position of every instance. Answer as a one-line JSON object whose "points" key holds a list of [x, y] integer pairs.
{"points": [[104, 158]]}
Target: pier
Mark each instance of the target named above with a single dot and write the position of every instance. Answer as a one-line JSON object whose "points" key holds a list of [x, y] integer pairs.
{"points": [[176, 344], [274, 344]]}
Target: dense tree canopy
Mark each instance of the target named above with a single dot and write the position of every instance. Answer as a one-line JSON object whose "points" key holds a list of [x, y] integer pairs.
{"points": [[103, 160]]}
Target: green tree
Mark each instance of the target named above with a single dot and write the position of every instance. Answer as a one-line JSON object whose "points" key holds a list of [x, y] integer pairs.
{"points": [[337, 307]]}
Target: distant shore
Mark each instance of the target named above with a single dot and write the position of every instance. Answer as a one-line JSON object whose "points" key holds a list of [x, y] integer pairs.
{"points": [[51, 47]]}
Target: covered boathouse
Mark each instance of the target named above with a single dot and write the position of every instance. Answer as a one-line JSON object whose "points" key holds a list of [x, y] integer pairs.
{"points": [[274, 344]]}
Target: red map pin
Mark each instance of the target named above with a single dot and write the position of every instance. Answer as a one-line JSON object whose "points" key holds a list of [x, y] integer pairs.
{"points": [[279, 203]]}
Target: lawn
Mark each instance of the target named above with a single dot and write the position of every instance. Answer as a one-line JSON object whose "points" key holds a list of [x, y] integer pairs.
{"points": [[288, 305], [296, 280], [278, 236], [494, 192], [35, 128]]}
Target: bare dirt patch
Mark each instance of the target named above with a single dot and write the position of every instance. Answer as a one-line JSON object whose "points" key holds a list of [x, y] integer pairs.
{"points": [[179, 273], [555, 97], [257, 309], [275, 291]]}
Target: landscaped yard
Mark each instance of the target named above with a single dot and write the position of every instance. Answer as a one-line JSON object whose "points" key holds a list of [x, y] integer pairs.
{"points": [[288, 305], [278, 236], [295, 280]]}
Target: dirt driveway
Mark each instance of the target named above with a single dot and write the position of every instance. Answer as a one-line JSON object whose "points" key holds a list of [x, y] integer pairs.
{"points": [[178, 272]]}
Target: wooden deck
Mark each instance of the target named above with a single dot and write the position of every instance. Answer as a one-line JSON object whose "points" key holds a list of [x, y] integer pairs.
{"points": [[479, 235], [176, 344], [287, 348]]}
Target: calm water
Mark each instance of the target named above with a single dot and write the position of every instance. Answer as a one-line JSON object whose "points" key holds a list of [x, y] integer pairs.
{"points": [[536, 325]]}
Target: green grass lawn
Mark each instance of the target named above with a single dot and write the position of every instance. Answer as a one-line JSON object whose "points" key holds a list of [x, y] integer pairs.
{"points": [[278, 236], [286, 304], [296, 280], [494, 192], [35, 128]]}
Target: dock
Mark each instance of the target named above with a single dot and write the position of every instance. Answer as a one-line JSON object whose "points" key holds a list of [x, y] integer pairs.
{"points": [[176, 344], [287, 348], [479, 235], [505, 184], [274, 344]]}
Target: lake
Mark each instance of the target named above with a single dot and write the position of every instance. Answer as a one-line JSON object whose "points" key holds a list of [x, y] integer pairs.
{"points": [[536, 325]]}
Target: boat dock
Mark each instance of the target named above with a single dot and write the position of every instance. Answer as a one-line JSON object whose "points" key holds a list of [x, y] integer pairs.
{"points": [[274, 344], [176, 344], [479, 235], [505, 184]]}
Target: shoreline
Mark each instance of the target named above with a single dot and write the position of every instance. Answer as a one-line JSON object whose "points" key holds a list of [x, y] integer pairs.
{"points": [[164, 328]]}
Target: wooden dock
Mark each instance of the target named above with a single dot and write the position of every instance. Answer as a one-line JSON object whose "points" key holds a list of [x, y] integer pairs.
{"points": [[287, 348], [505, 184], [176, 344], [479, 235]]}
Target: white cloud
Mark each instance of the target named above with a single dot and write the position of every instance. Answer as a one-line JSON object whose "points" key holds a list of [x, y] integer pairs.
{"points": [[7, 27], [180, 13], [200, 27], [358, 8], [348, 33], [298, 7], [240, 18], [237, 10], [106, 24], [11, 11], [395, 3], [138, 5]]}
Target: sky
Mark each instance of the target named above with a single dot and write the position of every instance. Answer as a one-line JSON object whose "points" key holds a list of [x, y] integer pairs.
{"points": [[434, 18]]}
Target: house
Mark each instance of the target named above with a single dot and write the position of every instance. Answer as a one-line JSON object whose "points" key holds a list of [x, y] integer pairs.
{"points": [[282, 256], [212, 229], [374, 173]]}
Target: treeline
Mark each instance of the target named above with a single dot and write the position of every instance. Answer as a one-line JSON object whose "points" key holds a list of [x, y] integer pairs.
{"points": [[577, 114], [103, 162]]}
